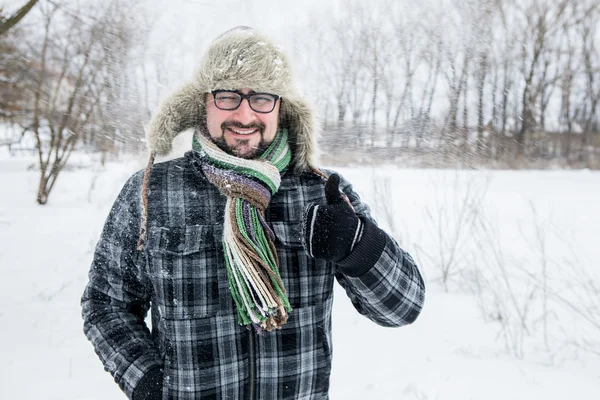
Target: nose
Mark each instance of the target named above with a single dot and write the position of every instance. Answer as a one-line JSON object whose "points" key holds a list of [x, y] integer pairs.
{"points": [[244, 113]]}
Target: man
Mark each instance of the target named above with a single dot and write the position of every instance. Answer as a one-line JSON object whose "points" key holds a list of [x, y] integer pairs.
{"points": [[239, 244]]}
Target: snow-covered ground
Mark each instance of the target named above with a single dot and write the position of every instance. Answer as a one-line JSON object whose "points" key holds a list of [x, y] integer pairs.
{"points": [[455, 350]]}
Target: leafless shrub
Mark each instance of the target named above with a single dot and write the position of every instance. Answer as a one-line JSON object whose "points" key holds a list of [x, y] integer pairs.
{"points": [[537, 297], [505, 293], [453, 216], [575, 291], [382, 196]]}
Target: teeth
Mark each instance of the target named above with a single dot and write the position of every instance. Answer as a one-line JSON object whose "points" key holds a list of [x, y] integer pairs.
{"points": [[243, 132]]}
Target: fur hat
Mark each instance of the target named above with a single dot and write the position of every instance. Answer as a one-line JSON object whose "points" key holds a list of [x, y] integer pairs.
{"points": [[239, 58]]}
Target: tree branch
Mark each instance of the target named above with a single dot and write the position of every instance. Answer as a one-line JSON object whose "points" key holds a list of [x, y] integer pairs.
{"points": [[6, 24]]}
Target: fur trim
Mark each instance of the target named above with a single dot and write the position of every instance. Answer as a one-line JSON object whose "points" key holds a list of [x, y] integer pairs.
{"points": [[239, 58]]}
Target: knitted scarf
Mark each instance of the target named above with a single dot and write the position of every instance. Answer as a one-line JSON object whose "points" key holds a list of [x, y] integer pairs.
{"points": [[248, 242]]}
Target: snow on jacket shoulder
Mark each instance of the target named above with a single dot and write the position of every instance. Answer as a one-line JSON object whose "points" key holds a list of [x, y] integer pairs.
{"points": [[181, 275]]}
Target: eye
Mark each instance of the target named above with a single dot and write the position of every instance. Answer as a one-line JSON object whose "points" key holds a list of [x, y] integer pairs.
{"points": [[262, 98], [227, 97]]}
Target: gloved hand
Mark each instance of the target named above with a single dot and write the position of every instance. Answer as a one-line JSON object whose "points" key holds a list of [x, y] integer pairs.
{"points": [[150, 386], [332, 230]]}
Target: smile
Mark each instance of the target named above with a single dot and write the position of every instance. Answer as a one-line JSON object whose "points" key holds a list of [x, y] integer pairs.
{"points": [[243, 131]]}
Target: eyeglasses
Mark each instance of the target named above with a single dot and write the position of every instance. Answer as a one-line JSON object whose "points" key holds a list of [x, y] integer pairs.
{"points": [[259, 102]]}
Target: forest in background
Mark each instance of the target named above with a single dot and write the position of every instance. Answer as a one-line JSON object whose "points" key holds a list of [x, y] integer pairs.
{"points": [[445, 83], [462, 83]]}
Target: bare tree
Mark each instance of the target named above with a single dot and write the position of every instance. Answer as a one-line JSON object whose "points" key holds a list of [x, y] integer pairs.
{"points": [[73, 77], [481, 78], [591, 54], [399, 82], [570, 67], [466, 21], [433, 57], [542, 22], [456, 76], [507, 72]]}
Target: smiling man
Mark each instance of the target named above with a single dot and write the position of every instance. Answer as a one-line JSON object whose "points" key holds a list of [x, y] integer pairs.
{"points": [[236, 246], [242, 128]]}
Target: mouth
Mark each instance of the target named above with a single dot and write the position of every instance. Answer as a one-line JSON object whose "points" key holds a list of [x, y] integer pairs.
{"points": [[243, 132]]}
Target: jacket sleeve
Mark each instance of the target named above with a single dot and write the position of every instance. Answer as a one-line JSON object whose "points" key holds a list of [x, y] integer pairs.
{"points": [[117, 298], [382, 280]]}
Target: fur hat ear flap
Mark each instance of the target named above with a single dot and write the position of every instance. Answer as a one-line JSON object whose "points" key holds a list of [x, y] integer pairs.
{"points": [[298, 118], [180, 111]]}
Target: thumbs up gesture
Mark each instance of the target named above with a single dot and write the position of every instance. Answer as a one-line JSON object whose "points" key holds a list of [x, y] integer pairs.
{"points": [[331, 230]]}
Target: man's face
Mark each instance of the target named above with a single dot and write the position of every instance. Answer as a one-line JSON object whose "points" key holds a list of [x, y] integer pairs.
{"points": [[241, 132]]}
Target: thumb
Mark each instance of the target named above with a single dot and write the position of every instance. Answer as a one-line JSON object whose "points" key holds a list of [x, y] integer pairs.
{"points": [[332, 190]]}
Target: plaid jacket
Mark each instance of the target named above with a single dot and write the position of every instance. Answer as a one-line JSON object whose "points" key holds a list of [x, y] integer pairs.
{"points": [[181, 275]]}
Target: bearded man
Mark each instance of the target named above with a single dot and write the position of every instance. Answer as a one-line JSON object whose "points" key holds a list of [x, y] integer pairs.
{"points": [[235, 247]]}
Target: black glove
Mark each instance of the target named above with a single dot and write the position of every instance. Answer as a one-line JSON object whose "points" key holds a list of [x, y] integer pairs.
{"points": [[334, 232], [150, 386], [331, 231]]}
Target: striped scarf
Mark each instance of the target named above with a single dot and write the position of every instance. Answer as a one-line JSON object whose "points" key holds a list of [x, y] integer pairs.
{"points": [[248, 242]]}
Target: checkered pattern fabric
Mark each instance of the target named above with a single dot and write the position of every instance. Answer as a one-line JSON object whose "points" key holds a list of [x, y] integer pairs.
{"points": [[180, 275]]}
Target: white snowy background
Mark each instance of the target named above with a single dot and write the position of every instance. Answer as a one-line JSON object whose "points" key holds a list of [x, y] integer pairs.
{"points": [[518, 317], [453, 351]]}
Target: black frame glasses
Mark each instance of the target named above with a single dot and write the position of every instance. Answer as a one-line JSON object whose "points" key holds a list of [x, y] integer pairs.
{"points": [[252, 98]]}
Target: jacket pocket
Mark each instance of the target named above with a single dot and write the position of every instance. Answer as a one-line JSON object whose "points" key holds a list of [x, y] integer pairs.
{"points": [[289, 234], [203, 358], [183, 268], [308, 281]]}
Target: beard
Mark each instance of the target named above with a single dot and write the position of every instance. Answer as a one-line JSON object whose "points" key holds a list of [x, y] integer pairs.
{"points": [[233, 149]]}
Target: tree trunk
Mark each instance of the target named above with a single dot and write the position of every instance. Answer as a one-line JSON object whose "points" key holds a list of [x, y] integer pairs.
{"points": [[480, 121], [42, 194]]}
